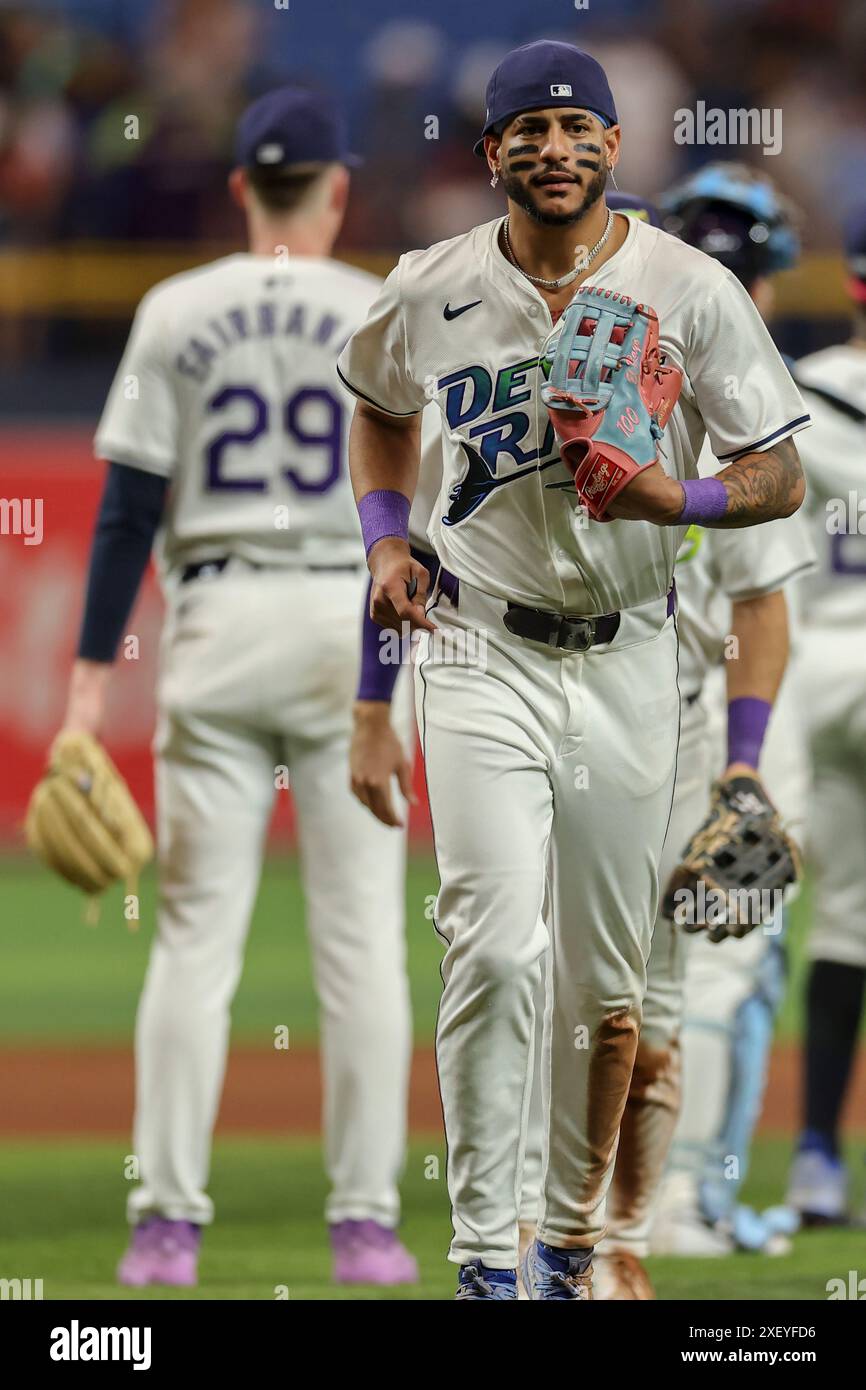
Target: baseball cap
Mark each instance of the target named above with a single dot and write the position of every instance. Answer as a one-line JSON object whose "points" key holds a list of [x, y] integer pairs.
{"points": [[633, 206], [545, 73], [291, 125], [855, 253]]}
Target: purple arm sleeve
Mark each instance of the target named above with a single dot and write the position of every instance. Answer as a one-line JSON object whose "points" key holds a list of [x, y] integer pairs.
{"points": [[706, 501], [747, 724], [383, 512], [378, 678]]}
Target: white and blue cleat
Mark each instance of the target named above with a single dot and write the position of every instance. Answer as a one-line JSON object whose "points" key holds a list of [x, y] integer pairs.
{"points": [[480, 1284], [557, 1274], [818, 1188]]}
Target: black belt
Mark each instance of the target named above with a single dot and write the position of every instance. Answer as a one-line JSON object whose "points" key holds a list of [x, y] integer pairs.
{"points": [[572, 634], [206, 568], [555, 630]]}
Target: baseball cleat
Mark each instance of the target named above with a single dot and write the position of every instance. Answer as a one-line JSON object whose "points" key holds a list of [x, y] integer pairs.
{"points": [[618, 1276], [367, 1253], [687, 1232], [161, 1252], [818, 1188], [557, 1274], [479, 1284]]}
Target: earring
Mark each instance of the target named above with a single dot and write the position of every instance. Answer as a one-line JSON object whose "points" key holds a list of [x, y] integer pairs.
{"points": [[494, 181], [613, 180]]}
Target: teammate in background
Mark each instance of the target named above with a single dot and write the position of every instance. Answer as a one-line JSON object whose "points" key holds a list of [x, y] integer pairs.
{"points": [[733, 990], [226, 429], [830, 677], [729, 588], [557, 745]]}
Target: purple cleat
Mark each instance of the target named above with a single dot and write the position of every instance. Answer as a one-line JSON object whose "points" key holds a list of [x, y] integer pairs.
{"points": [[161, 1252], [367, 1253]]}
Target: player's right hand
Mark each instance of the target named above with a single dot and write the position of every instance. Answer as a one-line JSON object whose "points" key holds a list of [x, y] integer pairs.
{"points": [[376, 757], [399, 588]]}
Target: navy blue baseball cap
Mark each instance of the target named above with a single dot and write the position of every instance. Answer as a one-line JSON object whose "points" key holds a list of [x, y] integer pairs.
{"points": [[855, 253], [545, 74], [291, 126]]}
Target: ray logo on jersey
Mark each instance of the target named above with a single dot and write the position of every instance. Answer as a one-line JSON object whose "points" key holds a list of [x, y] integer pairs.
{"points": [[470, 393]]}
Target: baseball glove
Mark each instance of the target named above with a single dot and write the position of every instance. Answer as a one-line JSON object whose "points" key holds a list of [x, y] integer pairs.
{"points": [[82, 821], [609, 393], [734, 868]]}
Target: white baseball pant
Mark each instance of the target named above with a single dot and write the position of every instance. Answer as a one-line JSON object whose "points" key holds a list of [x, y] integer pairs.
{"points": [[258, 673], [542, 761]]}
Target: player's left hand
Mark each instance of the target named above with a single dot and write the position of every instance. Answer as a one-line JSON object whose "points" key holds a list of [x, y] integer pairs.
{"points": [[738, 864], [376, 757], [652, 495]]}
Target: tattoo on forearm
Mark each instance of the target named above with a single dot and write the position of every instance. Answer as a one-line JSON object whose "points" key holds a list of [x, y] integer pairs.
{"points": [[762, 486]]}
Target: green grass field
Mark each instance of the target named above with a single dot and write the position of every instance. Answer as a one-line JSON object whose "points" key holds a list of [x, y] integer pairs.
{"points": [[61, 1217], [64, 981], [64, 1225]]}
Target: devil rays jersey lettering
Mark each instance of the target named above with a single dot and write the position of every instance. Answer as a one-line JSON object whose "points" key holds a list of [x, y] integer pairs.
{"points": [[508, 519]]}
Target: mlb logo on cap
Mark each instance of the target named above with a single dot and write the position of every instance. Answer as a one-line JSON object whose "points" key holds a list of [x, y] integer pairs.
{"points": [[561, 89]]}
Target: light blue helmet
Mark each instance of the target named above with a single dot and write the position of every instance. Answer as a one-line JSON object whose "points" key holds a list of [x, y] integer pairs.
{"points": [[735, 215]]}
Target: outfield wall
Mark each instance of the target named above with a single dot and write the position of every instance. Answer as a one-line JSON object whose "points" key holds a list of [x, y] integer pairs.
{"points": [[48, 476]]}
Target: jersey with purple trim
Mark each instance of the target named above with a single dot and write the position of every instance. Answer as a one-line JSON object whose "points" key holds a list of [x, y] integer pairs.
{"points": [[833, 452], [228, 387], [458, 323]]}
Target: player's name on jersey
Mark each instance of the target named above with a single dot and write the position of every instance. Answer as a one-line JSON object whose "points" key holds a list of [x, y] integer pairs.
{"points": [[264, 319]]}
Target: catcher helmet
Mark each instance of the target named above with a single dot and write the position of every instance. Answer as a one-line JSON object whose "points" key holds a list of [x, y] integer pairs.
{"points": [[736, 216]]}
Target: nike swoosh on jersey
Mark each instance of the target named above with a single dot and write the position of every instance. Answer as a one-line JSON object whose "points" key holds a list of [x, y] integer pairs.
{"points": [[450, 313]]}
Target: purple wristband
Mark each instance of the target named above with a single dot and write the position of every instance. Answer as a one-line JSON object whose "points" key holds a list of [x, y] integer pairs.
{"points": [[706, 501], [747, 724], [384, 512]]}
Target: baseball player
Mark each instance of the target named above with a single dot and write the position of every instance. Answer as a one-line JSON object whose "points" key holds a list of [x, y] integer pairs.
{"points": [[730, 600], [546, 676], [830, 678], [732, 991], [226, 428]]}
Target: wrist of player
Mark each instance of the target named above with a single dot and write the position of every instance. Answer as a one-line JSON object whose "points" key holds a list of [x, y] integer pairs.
{"points": [[748, 718], [384, 515], [370, 713], [652, 495], [85, 704]]}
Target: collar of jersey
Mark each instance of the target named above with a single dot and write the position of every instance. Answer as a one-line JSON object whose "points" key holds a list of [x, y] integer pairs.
{"points": [[501, 264]]}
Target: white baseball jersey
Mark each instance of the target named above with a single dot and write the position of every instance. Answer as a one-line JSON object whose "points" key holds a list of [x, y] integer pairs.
{"points": [[459, 323], [718, 567], [228, 388], [836, 494]]}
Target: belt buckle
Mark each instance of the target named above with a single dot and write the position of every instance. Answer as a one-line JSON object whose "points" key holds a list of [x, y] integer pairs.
{"points": [[575, 634]]}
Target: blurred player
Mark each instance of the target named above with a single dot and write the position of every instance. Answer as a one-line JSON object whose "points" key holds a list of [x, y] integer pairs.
{"points": [[227, 427], [831, 684], [729, 587], [733, 989]]}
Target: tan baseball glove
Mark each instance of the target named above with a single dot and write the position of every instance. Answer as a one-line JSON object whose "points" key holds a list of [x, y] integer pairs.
{"points": [[82, 821]]}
